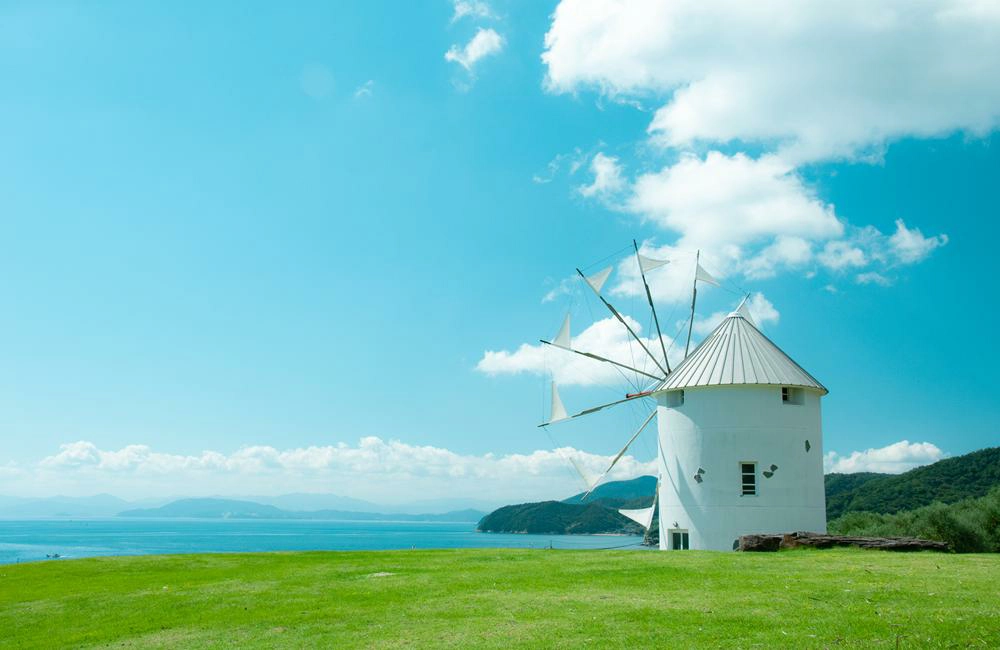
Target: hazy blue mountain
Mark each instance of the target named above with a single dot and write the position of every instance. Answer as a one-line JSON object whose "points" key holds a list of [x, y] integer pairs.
{"points": [[239, 509], [99, 505], [314, 501]]}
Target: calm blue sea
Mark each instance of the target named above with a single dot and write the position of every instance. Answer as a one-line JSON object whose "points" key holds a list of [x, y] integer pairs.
{"points": [[30, 540]]}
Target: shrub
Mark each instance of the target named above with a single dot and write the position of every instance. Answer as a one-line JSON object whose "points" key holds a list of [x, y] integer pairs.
{"points": [[969, 526]]}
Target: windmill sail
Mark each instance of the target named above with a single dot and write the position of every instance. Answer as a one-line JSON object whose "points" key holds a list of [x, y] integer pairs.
{"points": [[562, 338], [597, 280], [705, 276], [641, 516], [647, 264], [558, 411]]}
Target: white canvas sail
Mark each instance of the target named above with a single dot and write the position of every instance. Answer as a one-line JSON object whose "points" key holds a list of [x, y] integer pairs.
{"points": [[558, 410], [641, 516], [562, 338], [705, 276], [647, 264], [597, 280]]}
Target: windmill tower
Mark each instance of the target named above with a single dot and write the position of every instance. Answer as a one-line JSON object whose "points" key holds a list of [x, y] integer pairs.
{"points": [[739, 441]]}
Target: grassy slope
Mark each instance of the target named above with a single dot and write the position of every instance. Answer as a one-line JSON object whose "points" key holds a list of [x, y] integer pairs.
{"points": [[504, 598]]}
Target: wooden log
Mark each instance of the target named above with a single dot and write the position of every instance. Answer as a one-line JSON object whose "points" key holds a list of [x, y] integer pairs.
{"points": [[760, 543], [822, 540]]}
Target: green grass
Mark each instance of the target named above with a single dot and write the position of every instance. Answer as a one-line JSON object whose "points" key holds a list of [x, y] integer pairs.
{"points": [[506, 598]]}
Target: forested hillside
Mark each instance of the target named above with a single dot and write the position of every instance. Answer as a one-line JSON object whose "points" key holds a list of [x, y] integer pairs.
{"points": [[555, 517], [946, 481]]}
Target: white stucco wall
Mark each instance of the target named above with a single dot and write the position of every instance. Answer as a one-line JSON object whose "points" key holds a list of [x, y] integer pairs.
{"points": [[716, 429]]}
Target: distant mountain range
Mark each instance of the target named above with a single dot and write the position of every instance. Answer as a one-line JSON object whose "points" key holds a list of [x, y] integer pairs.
{"points": [[946, 481], [236, 509], [106, 505]]}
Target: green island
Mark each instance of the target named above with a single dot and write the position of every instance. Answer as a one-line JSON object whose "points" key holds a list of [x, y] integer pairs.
{"points": [[497, 598]]}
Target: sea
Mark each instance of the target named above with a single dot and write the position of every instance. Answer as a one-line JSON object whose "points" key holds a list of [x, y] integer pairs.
{"points": [[31, 540]]}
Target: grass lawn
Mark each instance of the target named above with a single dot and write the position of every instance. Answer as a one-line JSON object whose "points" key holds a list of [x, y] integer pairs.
{"points": [[506, 598]]}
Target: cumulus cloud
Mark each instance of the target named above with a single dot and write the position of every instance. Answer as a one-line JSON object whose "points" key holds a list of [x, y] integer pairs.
{"points": [[838, 255], [872, 277], [893, 459], [376, 469], [910, 246], [722, 200], [485, 43], [475, 9], [606, 338], [819, 81], [608, 178], [565, 287]]}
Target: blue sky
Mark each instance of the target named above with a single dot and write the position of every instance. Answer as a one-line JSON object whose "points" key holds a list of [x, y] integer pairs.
{"points": [[235, 233]]}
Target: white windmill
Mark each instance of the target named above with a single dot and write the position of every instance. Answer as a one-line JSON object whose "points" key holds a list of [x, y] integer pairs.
{"points": [[739, 443]]}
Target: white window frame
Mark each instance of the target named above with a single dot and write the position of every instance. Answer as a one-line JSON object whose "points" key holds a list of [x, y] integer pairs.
{"points": [[792, 395], [683, 532], [675, 399], [756, 481]]}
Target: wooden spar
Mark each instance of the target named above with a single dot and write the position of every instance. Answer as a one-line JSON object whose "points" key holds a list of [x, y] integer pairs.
{"points": [[694, 297], [600, 358], [649, 297], [620, 454], [621, 320], [595, 409]]}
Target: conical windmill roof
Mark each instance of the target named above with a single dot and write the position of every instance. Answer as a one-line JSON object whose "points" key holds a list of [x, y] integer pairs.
{"points": [[738, 353]]}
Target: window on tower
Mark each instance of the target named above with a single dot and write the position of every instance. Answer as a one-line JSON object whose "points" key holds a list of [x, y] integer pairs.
{"points": [[791, 395], [748, 477]]}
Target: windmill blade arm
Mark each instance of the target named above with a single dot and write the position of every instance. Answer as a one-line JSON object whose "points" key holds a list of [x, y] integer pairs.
{"points": [[614, 312], [595, 409], [620, 454], [598, 357], [652, 307]]}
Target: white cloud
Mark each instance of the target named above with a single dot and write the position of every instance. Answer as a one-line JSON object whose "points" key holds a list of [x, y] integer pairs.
{"points": [[475, 9], [375, 469], [565, 287], [364, 90], [721, 200], [606, 338], [746, 215], [608, 179], [910, 246], [872, 277], [818, 80], [838, 255], [316, 81], [786, 252], [893, 459], [485, 43]]}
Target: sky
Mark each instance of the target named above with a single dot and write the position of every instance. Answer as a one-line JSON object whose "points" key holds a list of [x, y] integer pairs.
{"points": [[251, 248]]}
